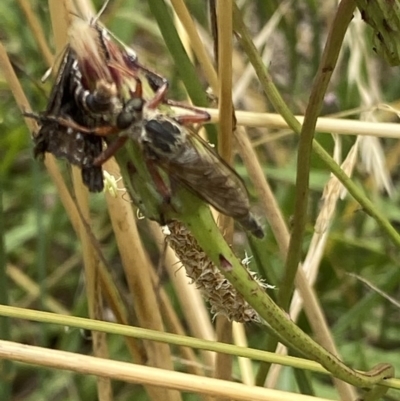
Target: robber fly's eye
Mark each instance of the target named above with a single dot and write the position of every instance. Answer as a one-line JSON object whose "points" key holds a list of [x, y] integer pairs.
{"points": [[135, 104], [130, 113], [125, 119]]}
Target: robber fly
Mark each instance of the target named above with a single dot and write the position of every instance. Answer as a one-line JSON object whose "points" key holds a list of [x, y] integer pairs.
{"points": [[186, 158]]}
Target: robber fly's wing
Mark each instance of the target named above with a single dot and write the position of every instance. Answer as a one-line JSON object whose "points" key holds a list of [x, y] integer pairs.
{"points": [[192, 162], [205, 173]]}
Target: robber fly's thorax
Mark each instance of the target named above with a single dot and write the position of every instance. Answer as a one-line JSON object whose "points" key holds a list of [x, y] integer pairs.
{"points": [[163, 137]]}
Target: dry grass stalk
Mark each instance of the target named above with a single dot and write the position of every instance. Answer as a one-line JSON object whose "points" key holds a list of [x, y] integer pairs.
{"points": [[91, 261], [146, 375], [137, 268], [362, 75], [195, 312], [338, 125], [330, 197]]}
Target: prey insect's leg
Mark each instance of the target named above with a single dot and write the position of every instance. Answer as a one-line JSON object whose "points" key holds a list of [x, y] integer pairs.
{"points": [[156, 81], [110, 151]]}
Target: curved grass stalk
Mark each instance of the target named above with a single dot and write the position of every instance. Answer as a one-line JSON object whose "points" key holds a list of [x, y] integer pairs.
{"points": [[280, 106], [196, 216]]}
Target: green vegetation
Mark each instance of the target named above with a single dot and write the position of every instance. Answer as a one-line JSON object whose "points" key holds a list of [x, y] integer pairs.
{"points": [[310, 59]]}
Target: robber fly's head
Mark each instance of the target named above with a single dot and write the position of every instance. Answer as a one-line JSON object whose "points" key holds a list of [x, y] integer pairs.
{"points": [[132, 113]]}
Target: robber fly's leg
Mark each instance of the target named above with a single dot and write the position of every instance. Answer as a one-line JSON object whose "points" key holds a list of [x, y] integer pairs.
{"points": [[110, 151], [65, 122], [139, 89], [192, 119], [34, 116], [201, 113], [159, 183], [158, 98], [199, 116]]}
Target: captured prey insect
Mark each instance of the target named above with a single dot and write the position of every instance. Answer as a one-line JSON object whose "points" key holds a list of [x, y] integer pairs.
{"points": [[65, 142]]}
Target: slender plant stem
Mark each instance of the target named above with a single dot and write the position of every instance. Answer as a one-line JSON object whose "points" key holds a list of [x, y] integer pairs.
{"points": [[5, 366], [141, 333], [280, 106], [329, 59], [185, 67]]}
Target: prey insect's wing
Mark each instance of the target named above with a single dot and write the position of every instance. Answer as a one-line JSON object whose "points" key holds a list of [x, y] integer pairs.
{"points": [[64, 142], [58, 90], [193, 163]]}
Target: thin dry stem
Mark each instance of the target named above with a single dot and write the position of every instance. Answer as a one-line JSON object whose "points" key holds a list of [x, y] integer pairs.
{"points": [[225, 107], [31, 287], [223, 365], [275, 219], [184, 37], [142, 374], [137, 269], [195, 312], [85, 8], [174, 326], [267, 199], [197, 45], [363, 77], [90, 258], [245, 364], [224, 20], [339, 126], [92, 282], [37, 31], [61, 12], [223, 362], [262, 37]]}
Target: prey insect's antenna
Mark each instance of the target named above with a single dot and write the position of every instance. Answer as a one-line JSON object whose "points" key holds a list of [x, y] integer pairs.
{"points": [[49, 71], [102, 9]]}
